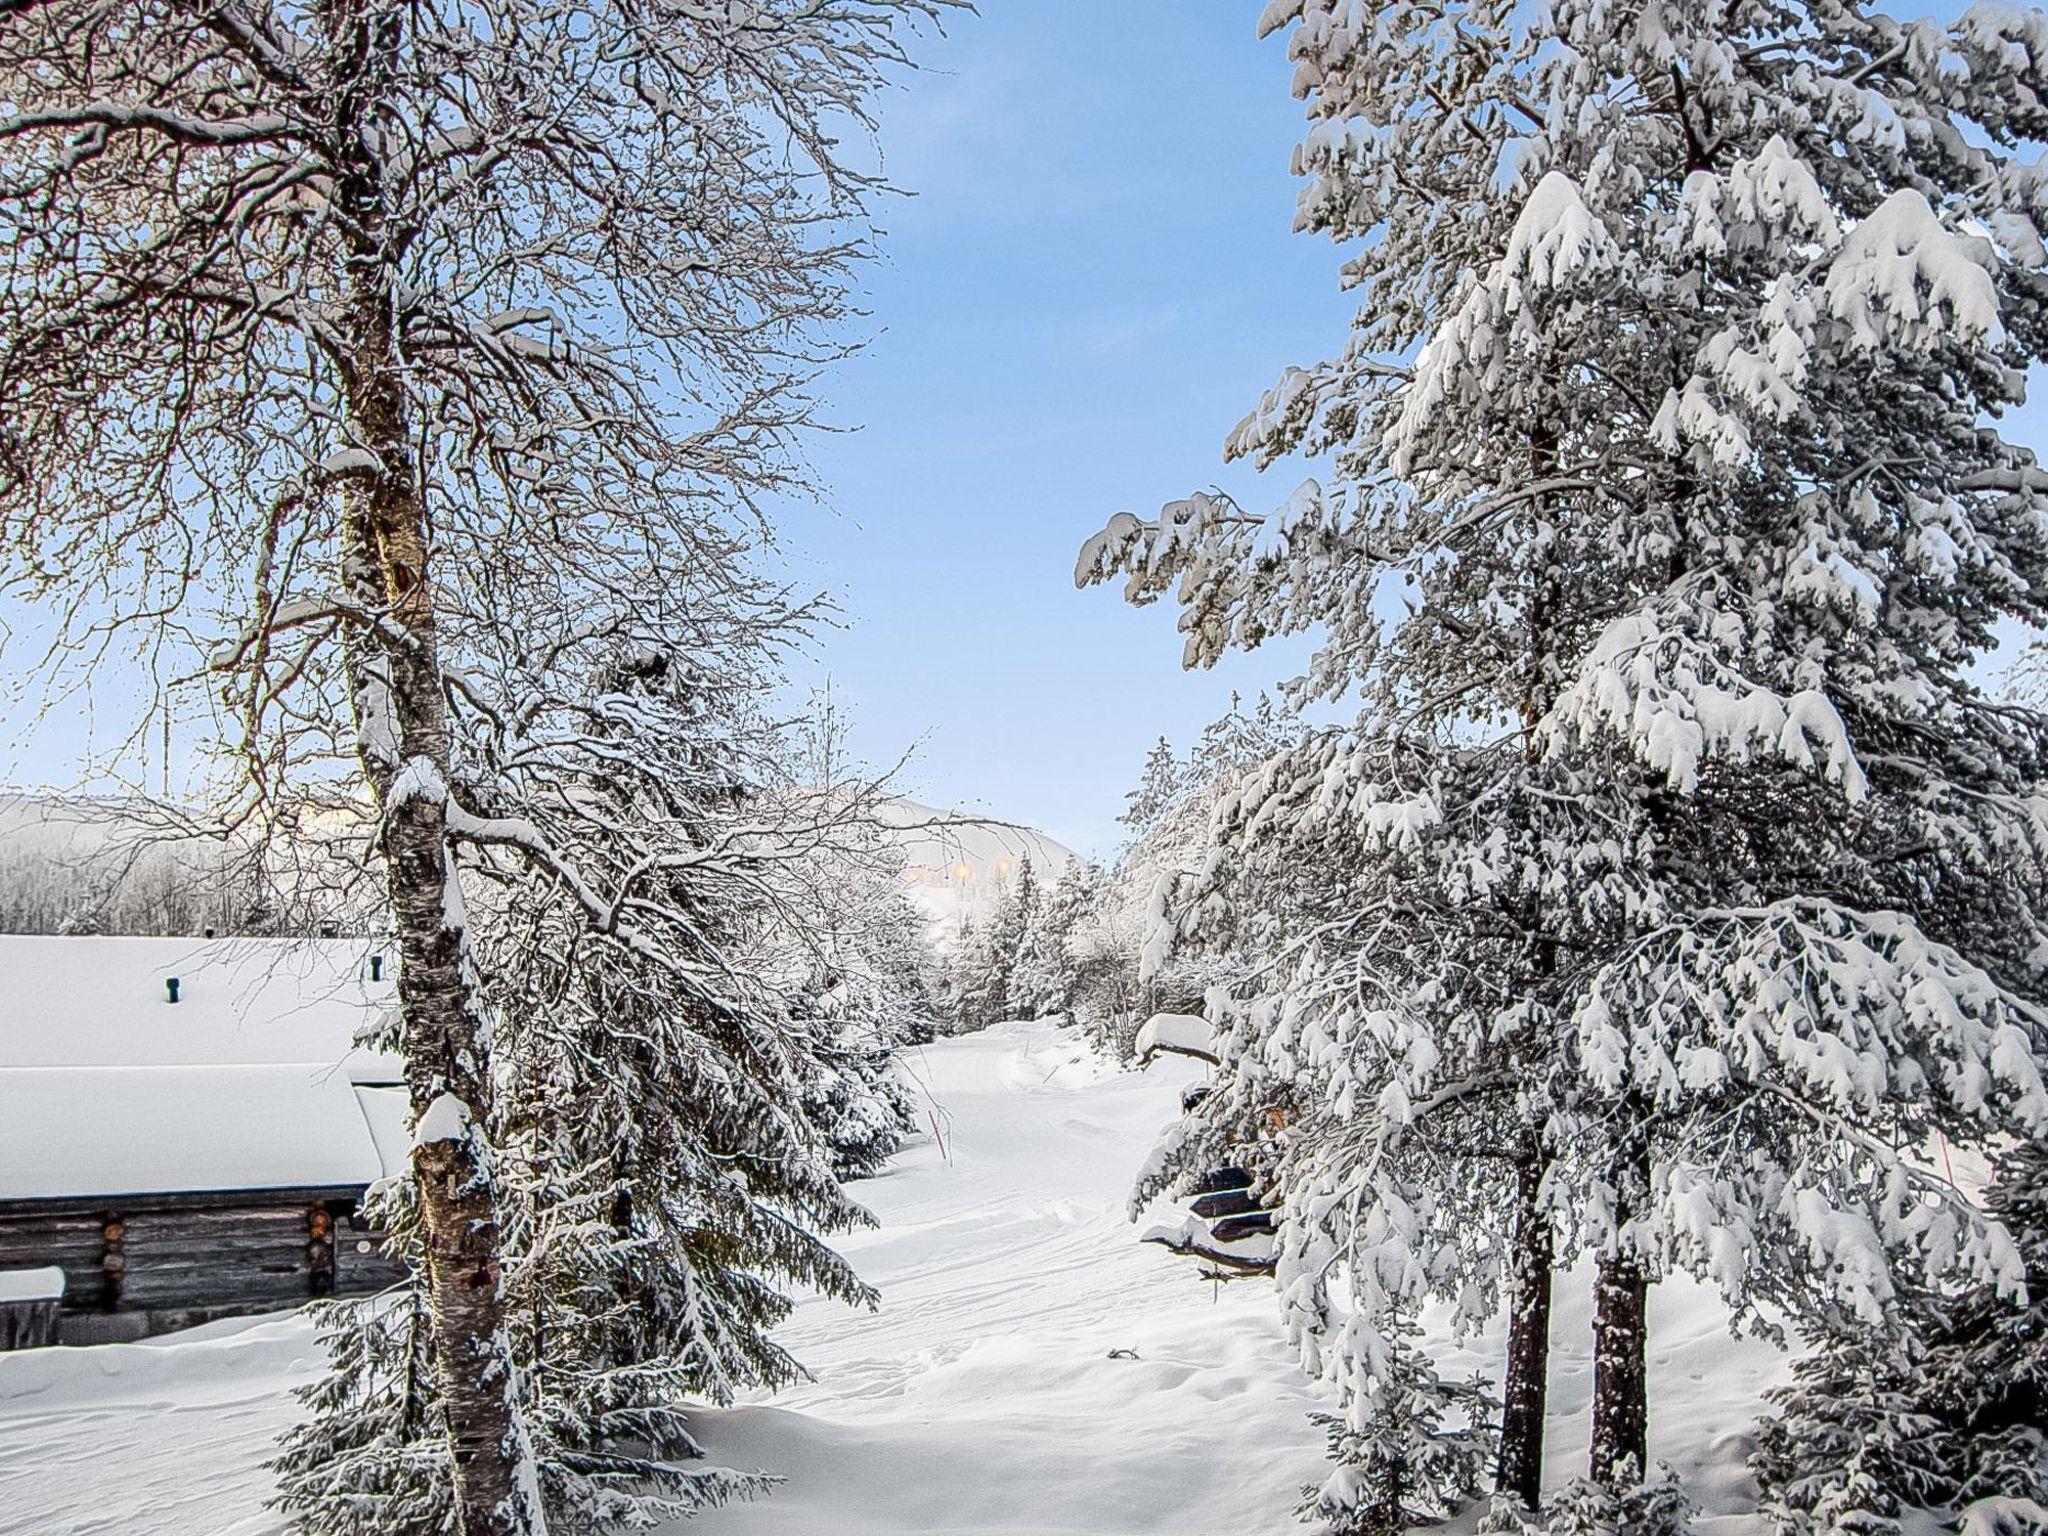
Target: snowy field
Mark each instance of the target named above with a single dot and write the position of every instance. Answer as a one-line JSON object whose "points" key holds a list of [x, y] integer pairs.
{"points": [[982, 1398]]}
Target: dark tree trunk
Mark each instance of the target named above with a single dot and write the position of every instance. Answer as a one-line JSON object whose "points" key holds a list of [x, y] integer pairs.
{"points": [[1621, 1295], [1621, 1421], [1525, 1391]]}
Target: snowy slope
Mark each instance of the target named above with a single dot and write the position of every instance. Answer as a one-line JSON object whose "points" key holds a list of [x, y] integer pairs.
{"points": [[955, 866], [981, 1399]]}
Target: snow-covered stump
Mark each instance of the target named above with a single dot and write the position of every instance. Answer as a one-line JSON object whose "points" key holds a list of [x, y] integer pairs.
{"points": [[29, 1302]]}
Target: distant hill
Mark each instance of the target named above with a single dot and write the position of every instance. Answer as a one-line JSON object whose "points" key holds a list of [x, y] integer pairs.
{"points": [[71, 864], [957, 863]]}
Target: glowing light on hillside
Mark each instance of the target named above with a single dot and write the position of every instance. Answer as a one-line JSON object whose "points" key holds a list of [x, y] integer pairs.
{"points": [[963, 872]]}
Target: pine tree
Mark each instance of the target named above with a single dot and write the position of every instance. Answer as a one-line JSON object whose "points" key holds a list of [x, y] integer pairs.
{"points": [[1668, 521], [1083, 960]]}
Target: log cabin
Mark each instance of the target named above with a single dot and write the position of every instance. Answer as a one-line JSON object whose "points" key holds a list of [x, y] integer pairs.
{"points": [[188, 1127]]}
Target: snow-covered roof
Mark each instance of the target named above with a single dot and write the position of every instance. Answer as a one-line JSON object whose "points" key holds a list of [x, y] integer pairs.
{"points": [[251, 1080]]}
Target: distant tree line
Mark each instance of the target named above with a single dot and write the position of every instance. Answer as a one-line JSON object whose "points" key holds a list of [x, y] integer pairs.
{"points": [[1076, 946]]}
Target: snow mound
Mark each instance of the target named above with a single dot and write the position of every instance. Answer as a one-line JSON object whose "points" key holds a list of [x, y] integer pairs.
{"points": [[1176, 1034]]}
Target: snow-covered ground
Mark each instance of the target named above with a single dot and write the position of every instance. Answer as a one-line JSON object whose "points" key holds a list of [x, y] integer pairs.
{"points": [[984, 1397]]}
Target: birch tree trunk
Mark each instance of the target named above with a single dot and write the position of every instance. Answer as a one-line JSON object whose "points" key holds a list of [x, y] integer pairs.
{"points": [[403, 736], [403, 731], [398, 297]]}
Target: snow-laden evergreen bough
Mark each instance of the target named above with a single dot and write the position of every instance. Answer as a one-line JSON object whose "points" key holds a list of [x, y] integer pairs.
{"points": [[1678, 889], [363, 363], [1947, 1419]]}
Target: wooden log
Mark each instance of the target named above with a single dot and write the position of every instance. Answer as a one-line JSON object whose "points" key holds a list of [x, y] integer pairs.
{"points": [[161, 1261], [29, 1324], [1168, 1048], [72, 1243], [319, 1249], [1219, 1179], [1233, 1229], [1224, 1202], [113, 1261]]}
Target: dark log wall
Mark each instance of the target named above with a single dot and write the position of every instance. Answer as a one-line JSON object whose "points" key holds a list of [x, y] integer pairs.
{"points": [[72, 1243], [163, 1262], [27, 1324]]}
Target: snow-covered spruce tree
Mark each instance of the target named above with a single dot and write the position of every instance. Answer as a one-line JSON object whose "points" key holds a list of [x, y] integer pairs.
{"points": [[317, 317], [870, 992], [1387, 1071], [1665, 458], [985, 954], [660, 1185], [868, 971], [1042, 983], [1168, 823], [1951, 1420]]}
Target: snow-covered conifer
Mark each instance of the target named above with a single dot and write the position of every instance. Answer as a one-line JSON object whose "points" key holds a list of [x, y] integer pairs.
{"points": [[672, 1101], [986, 953], [1669, 515], [1946, 1420], [1041, 983], [874, 999]]}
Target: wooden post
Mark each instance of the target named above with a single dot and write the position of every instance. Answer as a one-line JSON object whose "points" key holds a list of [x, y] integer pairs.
{"points": [[113, 1260], [319, 1249]]}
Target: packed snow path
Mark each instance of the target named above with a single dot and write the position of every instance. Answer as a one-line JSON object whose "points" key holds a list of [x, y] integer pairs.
{"points": [[984, 1397]]}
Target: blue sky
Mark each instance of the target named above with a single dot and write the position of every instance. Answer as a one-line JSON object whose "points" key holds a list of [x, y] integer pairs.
{"points": [[1093, 282]]}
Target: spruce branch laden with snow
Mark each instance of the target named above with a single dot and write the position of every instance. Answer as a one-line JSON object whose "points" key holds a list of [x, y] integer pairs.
{"points": [[668, 1121]]}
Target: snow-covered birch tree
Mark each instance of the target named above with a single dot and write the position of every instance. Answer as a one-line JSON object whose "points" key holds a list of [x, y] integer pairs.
{"points": [[1667, 478], [326, 325]]}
